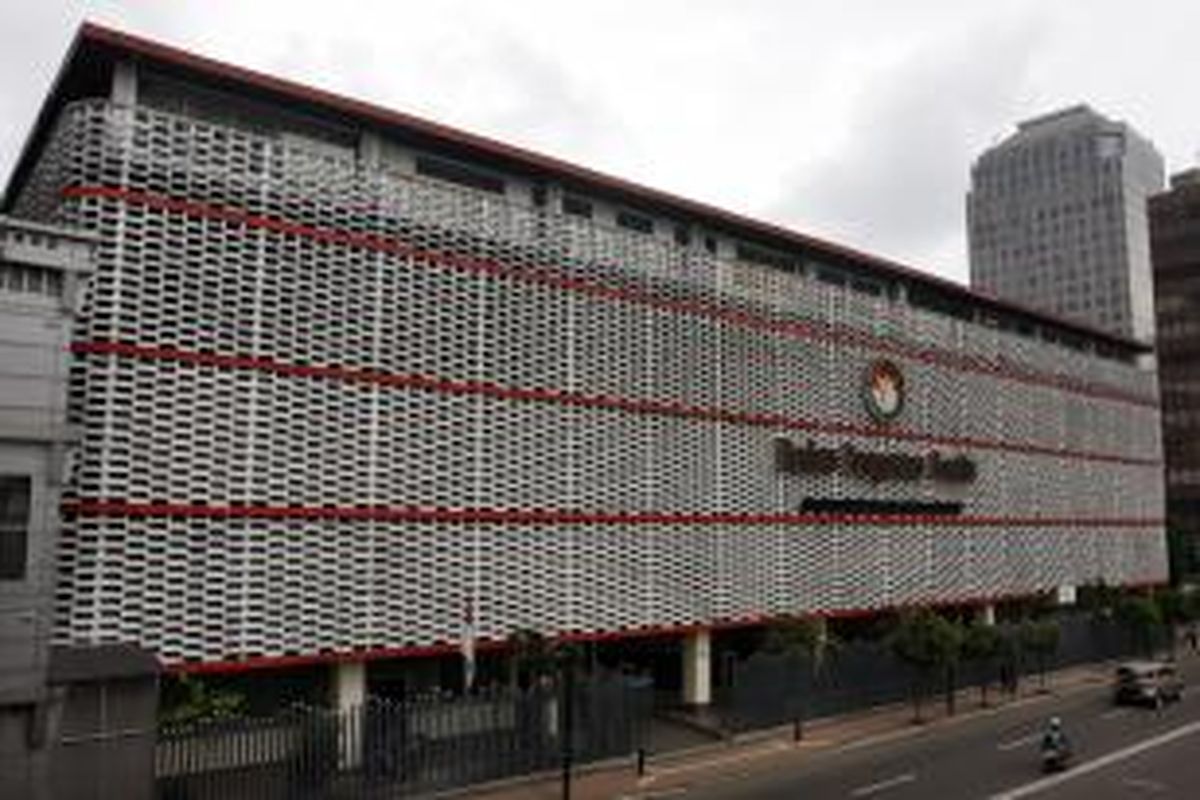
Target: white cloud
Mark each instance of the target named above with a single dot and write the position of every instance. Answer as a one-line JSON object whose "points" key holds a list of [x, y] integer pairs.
{"points": [[896, 185], [857, 119]]}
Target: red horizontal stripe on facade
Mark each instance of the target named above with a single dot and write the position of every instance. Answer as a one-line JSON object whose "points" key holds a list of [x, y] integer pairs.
{"points": [[515, 516], [562, 397], [999, 367], [252, 663]]}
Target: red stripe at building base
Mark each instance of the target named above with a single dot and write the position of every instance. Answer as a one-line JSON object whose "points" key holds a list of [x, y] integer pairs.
{"points": [[256, 663]]}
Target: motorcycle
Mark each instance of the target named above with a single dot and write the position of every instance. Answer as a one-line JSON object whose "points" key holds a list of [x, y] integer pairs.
{"points": [[1055, 756]]}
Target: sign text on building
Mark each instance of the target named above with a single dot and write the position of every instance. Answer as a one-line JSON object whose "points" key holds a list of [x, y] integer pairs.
{"points": [[809, 459]]}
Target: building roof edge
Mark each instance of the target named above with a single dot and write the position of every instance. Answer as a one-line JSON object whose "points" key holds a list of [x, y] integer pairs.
{"points": [[93, 37]]}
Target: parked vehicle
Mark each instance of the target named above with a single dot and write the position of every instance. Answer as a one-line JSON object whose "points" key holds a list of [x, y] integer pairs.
{"points": [[1147, 682]]}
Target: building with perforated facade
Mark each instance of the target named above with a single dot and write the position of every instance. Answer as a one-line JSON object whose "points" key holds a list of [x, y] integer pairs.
{"points": [[348, 379]]}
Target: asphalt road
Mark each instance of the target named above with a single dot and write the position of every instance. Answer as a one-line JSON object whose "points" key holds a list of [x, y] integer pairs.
{"points": [[1120, 752]]}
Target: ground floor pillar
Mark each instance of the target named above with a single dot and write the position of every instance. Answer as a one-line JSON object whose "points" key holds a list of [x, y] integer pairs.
{"points": [[987, 614], [347, 695], [348, 685], [697, 668]]}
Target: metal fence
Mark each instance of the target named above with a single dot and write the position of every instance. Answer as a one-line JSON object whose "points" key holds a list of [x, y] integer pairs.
{"points": [[777, 689], [402, 747], [774, 689]]}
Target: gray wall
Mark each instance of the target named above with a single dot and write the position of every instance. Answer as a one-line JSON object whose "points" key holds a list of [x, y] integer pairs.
{"points": [[39, 282]]}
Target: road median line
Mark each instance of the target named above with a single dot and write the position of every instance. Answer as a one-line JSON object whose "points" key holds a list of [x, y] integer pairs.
{"points": [[890, 783], [1017, 743], [1088, 767]]}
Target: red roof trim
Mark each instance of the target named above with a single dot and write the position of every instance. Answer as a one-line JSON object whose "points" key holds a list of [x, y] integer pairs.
{"points": [[91, 33]]}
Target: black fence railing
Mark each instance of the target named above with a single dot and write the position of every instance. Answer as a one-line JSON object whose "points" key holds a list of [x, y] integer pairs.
{"points": [[774, 689], [401, 747], [420, 744], [777, 689]]}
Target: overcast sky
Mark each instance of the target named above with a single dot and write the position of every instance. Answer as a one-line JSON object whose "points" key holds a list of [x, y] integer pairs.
{"points": [[855, 120]]}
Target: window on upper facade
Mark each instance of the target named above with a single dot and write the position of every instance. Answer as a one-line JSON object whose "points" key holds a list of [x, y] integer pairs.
{"points": [[866, 287], [25, 279], [831, 276], [576, 207], [15, 491], [635, 222], [766, 257], [462, 174]]}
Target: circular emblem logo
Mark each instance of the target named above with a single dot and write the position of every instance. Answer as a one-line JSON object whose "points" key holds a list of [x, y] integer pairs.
{"points": [[883, 390]]}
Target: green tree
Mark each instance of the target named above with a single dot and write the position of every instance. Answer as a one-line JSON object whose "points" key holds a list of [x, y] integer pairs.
{"points": [[800, 636], [982, 645], [1175, 609], [804, 641], [188, 700], [1040, 638], [1181, 556], [1141, 618], [532, 658], [930, 644], [1099, 599]]}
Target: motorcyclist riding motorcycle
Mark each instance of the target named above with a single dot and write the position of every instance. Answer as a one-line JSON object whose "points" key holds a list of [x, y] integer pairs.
{"points": [[1056, 749]]}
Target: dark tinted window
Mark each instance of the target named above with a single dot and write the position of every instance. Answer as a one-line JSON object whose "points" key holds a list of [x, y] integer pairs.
{"points": [[577, 207], [459, 173], [635, 222], [14, 526], [25, 279], [830, 276], [768, 258]]}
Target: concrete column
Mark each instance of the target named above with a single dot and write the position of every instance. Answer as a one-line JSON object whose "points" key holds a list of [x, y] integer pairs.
{"points": [[348, 685], [124, 84], [370, 149], [697, 668], [347, 693], [987, 614]]}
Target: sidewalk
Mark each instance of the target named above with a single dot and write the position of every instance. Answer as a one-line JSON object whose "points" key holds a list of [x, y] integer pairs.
{"points": [[672, 773]]}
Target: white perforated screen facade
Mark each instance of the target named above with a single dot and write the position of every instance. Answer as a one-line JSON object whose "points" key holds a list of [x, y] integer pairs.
{"points": [[329, 405]]}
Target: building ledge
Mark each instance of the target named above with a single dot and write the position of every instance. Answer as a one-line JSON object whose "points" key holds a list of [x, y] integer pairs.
{"points": [[101, 662]]}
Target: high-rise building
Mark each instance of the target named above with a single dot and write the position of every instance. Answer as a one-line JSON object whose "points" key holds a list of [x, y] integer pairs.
{"points": [[1056, 217], [1175, 246]]}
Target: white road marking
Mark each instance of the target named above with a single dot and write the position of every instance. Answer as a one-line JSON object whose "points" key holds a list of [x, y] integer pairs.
{"points": [[899, 780], [652, 795], [1142, 783], [770, 748], [1116, 712], [1099, 763], [1015, 743]]}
